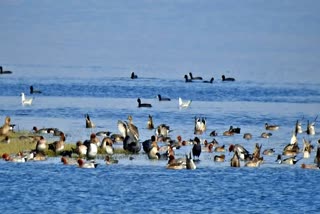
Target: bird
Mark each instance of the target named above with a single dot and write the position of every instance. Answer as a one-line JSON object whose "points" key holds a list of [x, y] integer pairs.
{"points": [[241, 151], [41, 145], [200, 125], [146, 105], [33, 91], [189, 162], [134, 76], [196, 149], [298, 128], [150, 123], [92, 146], [317, 157], [271, 127], [210, 81], [311, 128], [307, 147], [162, 131], [253, 163], [161, 98], [110, 160], [184, 103], [219, 158], [187, 79], [290, 160], [103, 133], [247, 136], [130, 134], [58, 146], [107, 145], [175, 163], [25, 101], [5, 129], [309, 166], [268, 151], [81, 149], [89, 164], [4, 72], [224, 78], [235, 161], [194, 78], [89, 123]]}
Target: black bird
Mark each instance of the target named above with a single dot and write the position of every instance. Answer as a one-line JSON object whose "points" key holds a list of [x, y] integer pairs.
{"points": [[4, 72], [160, 98], [194, 78], [196, 149], [33, 91], [210, 81], [187, 79], [224, 78], [147, 105], [134, 76]]}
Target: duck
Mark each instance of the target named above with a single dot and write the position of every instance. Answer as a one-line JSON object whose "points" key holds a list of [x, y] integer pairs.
{"points": [[266, 135], [311, 128], [253, 163], [107, 145], [103, 133], [34, 91], [214, 133], [41, 145], [235, 161], [247, 136], [81, 149], [110, 160], [89, 123], [4, 71], [184, 103], [143, 105], [128, 129], [196, 149], [131, 137], [290, 160], [268, 151], [317, 157], [219, 158], [26, 101], [175, 164], [210, 81], [256, 151], [271, 127], [133, 75], [19, 158], [309, 166], [298, 128], [189, 162], [224, 78], [187, 79], [43, 130], [83, 164], [241, 151], [161, 98], [307, 147], [199, 125], [68, 161], [162, 131], [5, 128], [150, 122], [220, 148], [194, 78], [92, 146], [58, 146], [147, 144], [153, 153]]}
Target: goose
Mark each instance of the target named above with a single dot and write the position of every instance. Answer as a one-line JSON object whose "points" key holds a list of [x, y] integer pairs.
{"points": [[150, 123], [33, 91], [224, 78], [210, 81], [187, 79], [194, 78], [134, 76], [145, 105], [161, 98], [89, 123], [199, 125], [25, 101], [4, 72], [271, 127], [184, 103]]}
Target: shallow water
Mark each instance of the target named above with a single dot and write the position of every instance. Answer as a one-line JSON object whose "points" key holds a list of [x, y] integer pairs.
{"points": [[87, 71]]}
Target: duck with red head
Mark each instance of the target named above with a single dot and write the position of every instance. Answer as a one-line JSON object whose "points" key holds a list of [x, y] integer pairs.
{"points": [[58, 146], [83, 164], [309, 166], [92, 147], [175, 164]]}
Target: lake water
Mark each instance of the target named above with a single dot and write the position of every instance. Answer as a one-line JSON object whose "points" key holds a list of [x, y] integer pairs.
{"points": [[81, 56]]}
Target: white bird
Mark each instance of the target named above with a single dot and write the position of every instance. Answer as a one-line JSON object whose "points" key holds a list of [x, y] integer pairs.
{"points": [[25, 101], [184, 103]]}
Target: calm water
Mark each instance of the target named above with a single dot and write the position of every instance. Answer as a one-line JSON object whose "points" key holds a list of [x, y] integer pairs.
{"points": [[82, 59]]}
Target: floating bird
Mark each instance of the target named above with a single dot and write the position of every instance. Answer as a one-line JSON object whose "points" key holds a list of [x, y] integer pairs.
{"points": [[266, 135], [110, 160], [317, 157], [309, 166], [268, 151], [90, 164], [271, 127], [210, 81], [187, 79], [253, 163], [4, 72], [150, 123], [176, 163], [25, 101], [162, 131], [247, 136], [290, 160], [161, 98], [184, 103], [146, 105], [89, 123], [298, 128], [224, 78], [33, 91], [194, 78], [92, 146], [235, 161], [131, 136], [189, 162], [196, 149], [241, 151], [107, 145], [219, 158], [200, 125], [134, 76], [307, 147], [103, 133], [311, 127]]}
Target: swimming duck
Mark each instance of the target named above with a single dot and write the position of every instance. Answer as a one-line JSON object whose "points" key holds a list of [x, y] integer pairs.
{"points": [[83, 164], [219, 158], [210, 81], [162, 130], [256, 152], [147, 144], [107, 145], [58, 146], [25, 101], [311, 128], [298, 128], [224, 78], [253, 163], [194, 78], [309, 166], [175, 164], [268, 151], [153, 152], [266, 135], [199, 125], [235, 161], [189, 162], [143, 105], [4, 71], [290, 160], [133, 75], [103, 133], [307, 147], [161, 98], [89, 123], [247, 136], [271, 127], [34, 91], [5, 129], [241, 151], [187, 79], [92, 146], [150, 123], [68, 161], [317, 157], [110, 160], [128, 129], [19, 158], [196, 149], [184, 103], [213, 133], [220, 148]]}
